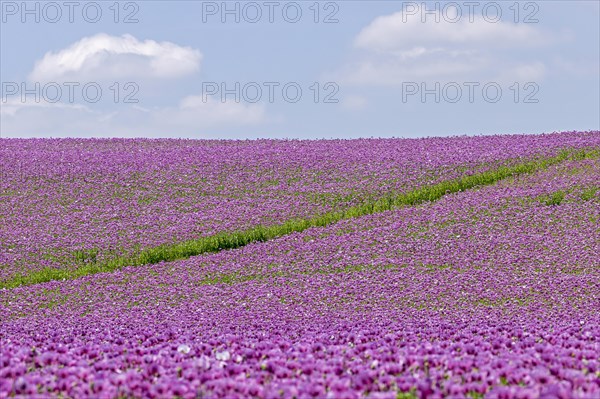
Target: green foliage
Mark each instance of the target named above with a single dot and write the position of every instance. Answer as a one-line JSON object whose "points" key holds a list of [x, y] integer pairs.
{"points": [[86, 255], [407, 395], [475, 395], [553, 199], [589, 193]]}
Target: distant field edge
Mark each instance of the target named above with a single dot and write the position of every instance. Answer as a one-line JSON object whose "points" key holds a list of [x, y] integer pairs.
{"points": [[230, 240]]}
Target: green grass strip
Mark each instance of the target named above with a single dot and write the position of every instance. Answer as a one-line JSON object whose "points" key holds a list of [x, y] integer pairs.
{"points": [[231, 240]]}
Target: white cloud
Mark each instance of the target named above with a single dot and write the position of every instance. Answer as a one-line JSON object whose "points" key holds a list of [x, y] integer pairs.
{"points": [[399, 48], [399, 32], [103, 57], [191, 118], [111, 57], [393, 70]]}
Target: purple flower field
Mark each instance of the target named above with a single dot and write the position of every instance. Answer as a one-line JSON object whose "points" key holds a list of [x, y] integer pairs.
{"points": [[107, 198], [491, 292]]}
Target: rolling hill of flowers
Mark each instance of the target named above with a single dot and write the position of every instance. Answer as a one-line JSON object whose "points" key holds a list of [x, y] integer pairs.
{"points": [[463, 267]]}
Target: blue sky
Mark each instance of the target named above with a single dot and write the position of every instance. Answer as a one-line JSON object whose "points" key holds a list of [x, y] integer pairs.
{"points": [[302, 69]]}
